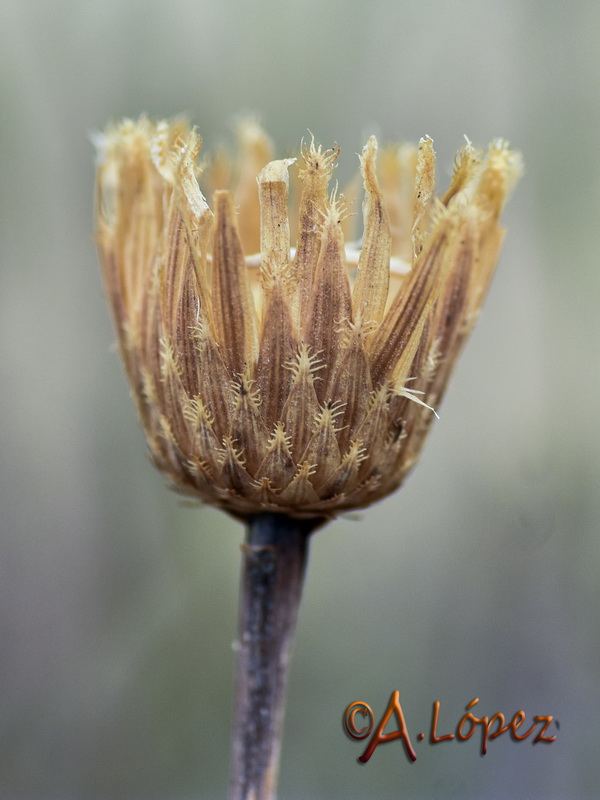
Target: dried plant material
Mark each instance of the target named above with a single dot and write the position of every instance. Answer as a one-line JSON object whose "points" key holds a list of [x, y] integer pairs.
{"points": [[315, 175], [294, 381], [255, 152], [373, 276]]}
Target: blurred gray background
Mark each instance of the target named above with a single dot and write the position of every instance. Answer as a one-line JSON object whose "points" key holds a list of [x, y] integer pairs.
{"points": [[480, 578]]}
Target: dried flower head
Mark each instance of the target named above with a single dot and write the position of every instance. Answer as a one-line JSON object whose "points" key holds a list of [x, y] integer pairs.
{"points": [[300, 381]]}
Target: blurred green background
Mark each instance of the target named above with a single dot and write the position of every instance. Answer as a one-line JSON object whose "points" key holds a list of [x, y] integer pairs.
{"points": [[479, 579]]}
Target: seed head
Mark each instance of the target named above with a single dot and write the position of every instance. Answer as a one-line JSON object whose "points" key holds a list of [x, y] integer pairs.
{"points": [[300, 381]]}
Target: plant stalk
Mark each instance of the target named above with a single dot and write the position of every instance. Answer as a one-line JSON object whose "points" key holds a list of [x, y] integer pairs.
{"points": [[274, 560]]}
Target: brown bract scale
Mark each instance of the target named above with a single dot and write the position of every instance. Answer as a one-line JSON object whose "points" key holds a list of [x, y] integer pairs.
{"points": [[295, 380]]}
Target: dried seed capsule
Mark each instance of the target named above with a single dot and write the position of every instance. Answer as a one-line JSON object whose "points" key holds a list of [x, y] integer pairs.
{"points": [[301, 383]]}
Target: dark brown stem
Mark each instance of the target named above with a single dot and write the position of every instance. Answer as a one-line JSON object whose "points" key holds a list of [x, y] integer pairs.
{"points": [[274, 560]]}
